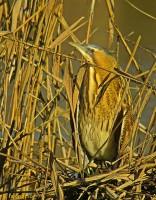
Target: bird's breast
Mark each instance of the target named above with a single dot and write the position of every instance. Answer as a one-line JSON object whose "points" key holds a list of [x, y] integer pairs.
{"points": [[96, 120]]}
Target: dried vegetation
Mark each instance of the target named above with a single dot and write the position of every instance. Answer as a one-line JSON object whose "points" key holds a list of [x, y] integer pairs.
{"points": [[38, 159]]}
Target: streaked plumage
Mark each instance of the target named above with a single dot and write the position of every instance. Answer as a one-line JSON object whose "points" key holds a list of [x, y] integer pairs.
{"points": [[105, 112]]}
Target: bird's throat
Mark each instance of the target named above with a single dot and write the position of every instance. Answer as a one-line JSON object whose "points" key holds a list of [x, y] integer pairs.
{"points": [[93, 82]]}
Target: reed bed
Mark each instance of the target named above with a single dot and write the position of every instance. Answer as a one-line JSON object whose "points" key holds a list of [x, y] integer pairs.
{"points": [[38, 159]]}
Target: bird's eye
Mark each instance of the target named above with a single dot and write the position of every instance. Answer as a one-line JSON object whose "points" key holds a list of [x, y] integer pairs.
{"points": [[92, 50]]}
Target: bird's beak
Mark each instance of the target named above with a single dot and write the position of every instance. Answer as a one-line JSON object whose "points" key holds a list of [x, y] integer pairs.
{"points": [[84, 51]]}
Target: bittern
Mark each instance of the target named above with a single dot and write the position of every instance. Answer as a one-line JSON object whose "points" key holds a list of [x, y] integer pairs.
{"points": [[105, 118]]}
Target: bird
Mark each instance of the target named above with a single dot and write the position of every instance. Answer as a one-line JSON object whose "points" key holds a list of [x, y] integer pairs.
{"points": [[105, 117]]}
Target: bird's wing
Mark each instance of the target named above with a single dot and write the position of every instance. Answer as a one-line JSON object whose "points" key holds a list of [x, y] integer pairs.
{"points": [[127, 122]]}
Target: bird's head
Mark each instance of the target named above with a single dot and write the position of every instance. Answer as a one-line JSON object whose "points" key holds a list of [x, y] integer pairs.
{"points": [[96, 55]]}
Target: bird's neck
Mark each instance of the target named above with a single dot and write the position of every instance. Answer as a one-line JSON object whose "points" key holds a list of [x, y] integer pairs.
{"points": [[94, 78], [92, 83], [105, 65]]}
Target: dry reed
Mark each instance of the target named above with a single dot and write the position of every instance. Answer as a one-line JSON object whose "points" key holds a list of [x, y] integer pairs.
{"points": [[38, 159]]}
